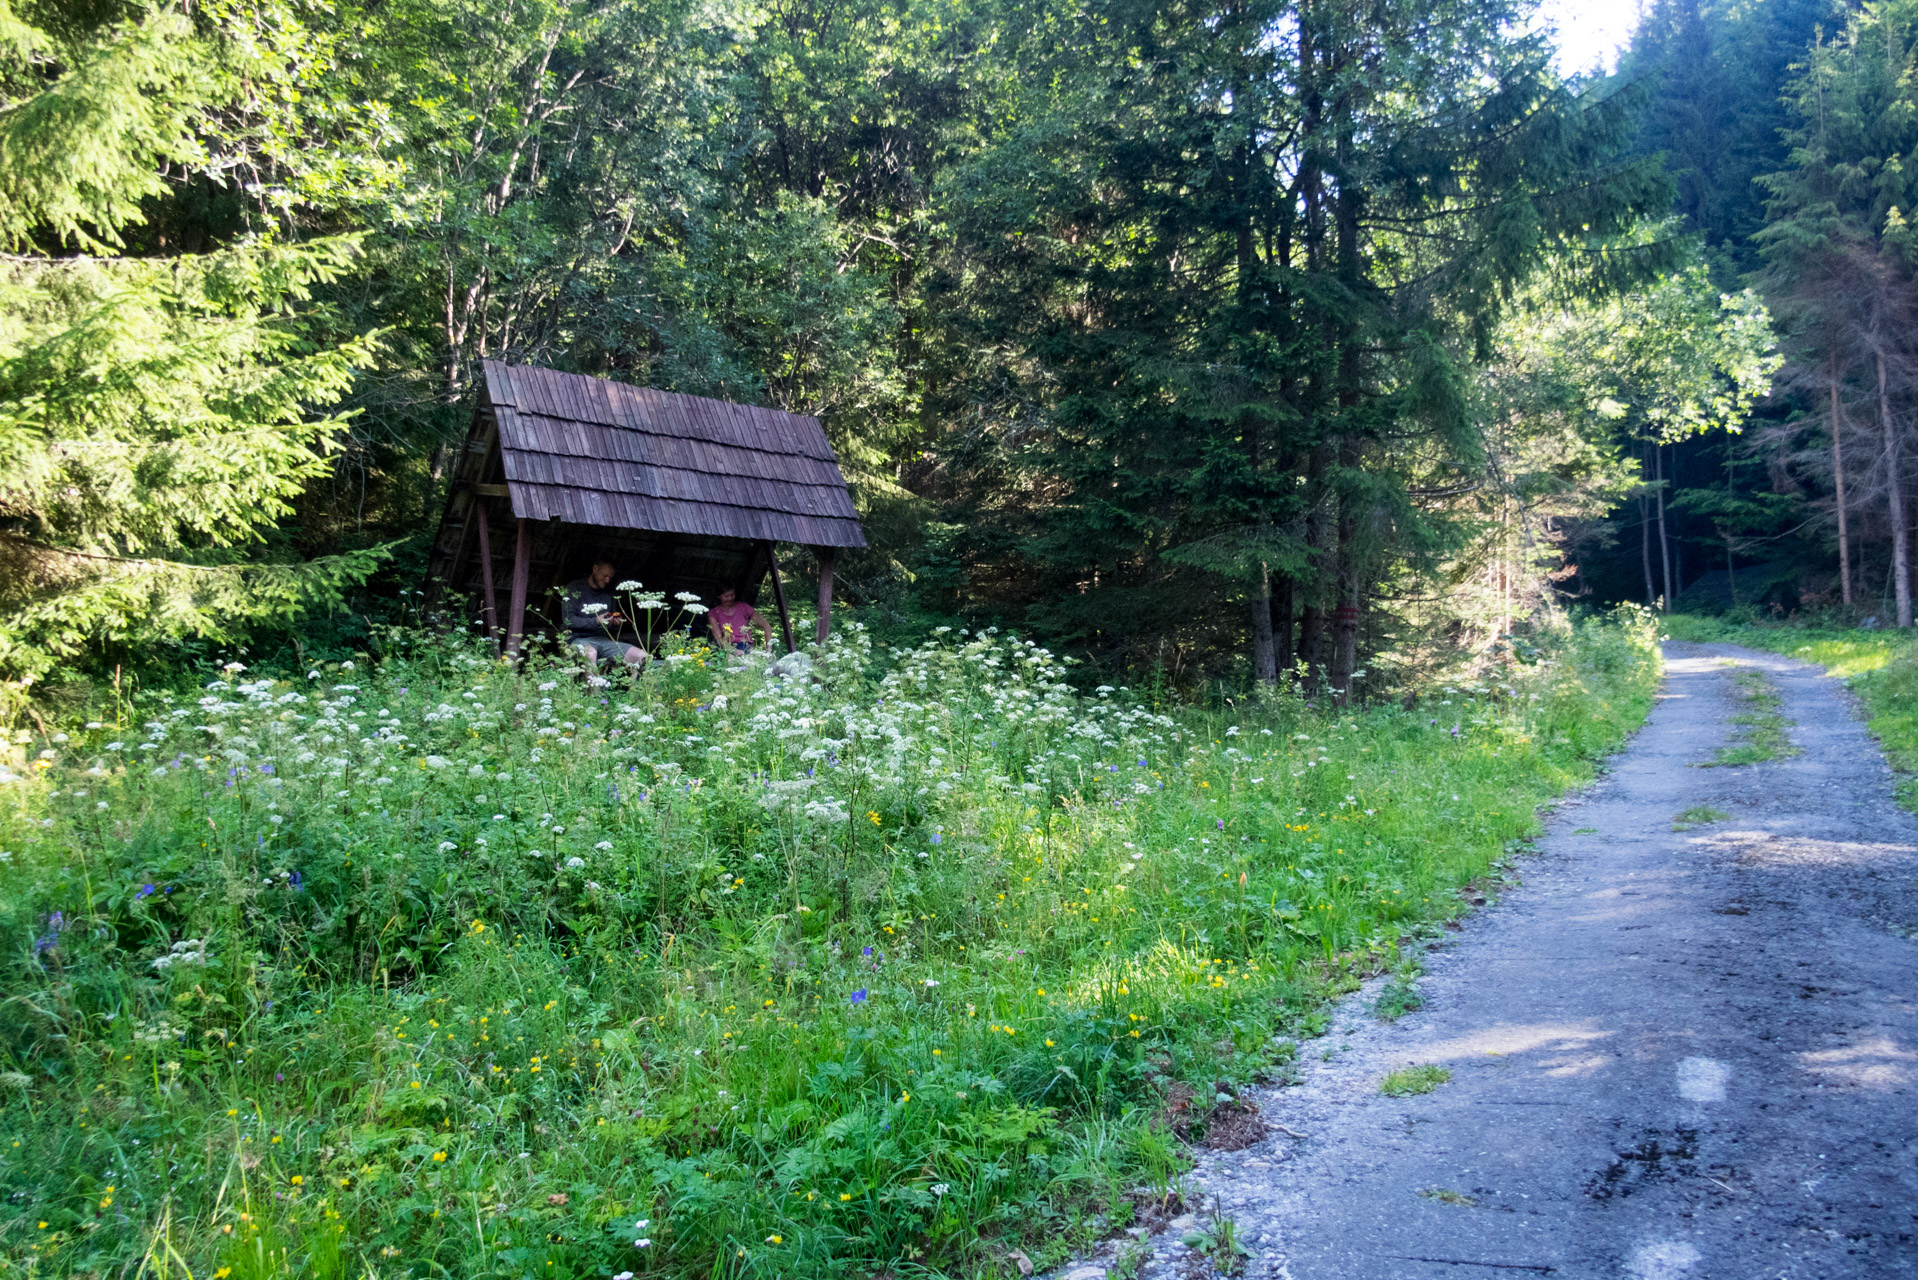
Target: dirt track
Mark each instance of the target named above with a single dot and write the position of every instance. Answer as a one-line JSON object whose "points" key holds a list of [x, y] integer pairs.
{"points": [[1673, 1053]]}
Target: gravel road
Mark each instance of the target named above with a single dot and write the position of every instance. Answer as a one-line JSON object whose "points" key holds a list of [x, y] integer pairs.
{"points": [[1673, 1053]]}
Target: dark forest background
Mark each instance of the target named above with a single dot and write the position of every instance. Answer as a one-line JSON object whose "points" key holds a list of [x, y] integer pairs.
{"points": [[1225, 340]]}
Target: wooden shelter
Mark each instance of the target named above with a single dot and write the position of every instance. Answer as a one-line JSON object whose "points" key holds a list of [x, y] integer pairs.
{"points": [[679, 492]]}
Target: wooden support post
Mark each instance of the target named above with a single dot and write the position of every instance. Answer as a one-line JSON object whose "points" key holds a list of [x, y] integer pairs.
{"points": [[522, 568], [826, 557], [779, 598], [489, 604]]}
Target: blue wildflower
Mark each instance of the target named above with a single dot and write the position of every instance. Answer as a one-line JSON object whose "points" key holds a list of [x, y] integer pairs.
{"points": [[859, 996], [146, 891], [865, 951], [937, 838]]}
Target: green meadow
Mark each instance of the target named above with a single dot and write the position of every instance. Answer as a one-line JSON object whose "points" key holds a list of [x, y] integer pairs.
{"points": [[427, 965]]}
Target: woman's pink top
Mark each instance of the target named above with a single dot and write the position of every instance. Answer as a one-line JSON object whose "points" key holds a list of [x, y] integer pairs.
{"points": [[732, 620]]}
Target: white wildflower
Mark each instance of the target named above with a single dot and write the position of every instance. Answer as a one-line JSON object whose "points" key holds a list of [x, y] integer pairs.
{"points": [[629, 585]]}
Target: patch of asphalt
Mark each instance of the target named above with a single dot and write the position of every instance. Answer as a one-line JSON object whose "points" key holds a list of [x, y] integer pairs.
{"points": [[1674, 1054]]}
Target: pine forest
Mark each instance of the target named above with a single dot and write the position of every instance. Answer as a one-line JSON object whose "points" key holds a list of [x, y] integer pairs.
{"points": [[1269, 422]]}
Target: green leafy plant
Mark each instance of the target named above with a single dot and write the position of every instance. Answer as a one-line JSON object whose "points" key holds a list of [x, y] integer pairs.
{"points": [[1398, 997], [1219, 1240]]}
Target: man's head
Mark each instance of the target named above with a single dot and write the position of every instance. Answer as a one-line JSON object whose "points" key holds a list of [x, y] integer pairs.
{"points": [[601, 575], [727, 596]]}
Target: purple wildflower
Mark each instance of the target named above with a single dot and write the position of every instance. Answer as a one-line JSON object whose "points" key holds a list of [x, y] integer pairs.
{"points": [[937, 838], [1221, 824]]}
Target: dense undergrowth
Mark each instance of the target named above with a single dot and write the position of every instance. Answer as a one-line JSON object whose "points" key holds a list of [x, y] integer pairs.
{"points": [[1881, 667], [446, 969]]}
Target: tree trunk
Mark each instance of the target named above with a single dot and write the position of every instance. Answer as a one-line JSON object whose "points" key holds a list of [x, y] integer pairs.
{"points": [[522, 568], [1283, 654], [1318, 536], [489, 603], [1345, 620], [1265, 668], [1311, 641], [1645, 547], [1664, 545], [826, 556], [1895, 496], [1838, 480]]}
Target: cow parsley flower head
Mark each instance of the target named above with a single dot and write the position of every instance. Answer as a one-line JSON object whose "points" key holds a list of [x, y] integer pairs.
{"points": [[629, 585]]}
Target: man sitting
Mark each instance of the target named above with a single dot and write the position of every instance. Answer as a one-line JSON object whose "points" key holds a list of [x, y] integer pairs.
{"points": [[732, 622], [592, 615]]}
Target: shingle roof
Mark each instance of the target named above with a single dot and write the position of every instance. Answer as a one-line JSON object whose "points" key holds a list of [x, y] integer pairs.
{"points": [[588, 451]]}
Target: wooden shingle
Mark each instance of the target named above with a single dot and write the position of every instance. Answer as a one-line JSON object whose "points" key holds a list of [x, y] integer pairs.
{"points": [[588, 451]]}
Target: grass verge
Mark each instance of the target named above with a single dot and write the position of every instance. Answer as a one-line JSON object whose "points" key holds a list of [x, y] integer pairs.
{"points": [[441, 967]]}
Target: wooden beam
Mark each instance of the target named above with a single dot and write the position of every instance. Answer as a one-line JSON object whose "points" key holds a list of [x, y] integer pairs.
{"points": [[490, 490], [826, 557], [489, 603], [522, 568], [779, 597]]}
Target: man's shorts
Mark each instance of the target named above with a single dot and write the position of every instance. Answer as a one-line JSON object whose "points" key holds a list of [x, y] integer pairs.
{"points": [[602, 648]]}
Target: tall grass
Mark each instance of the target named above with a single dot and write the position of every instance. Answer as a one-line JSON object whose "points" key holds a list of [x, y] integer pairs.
{"points": [[444, 968]]}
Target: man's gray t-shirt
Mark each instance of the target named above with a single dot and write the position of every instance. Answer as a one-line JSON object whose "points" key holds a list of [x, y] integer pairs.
{"points": [[578, 594]]}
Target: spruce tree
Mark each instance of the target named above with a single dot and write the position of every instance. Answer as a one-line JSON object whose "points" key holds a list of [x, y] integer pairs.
{"points": [[1839, 247], [157, 413], [1247, 256]]}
